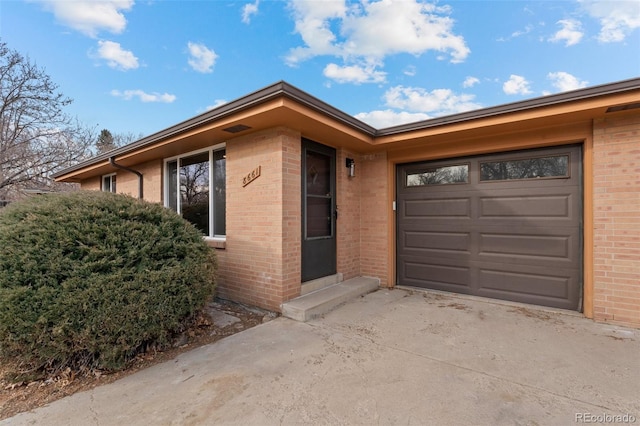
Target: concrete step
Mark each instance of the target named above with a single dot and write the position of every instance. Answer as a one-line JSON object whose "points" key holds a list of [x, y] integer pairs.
{"points": [[320, 283], [320, 302]]}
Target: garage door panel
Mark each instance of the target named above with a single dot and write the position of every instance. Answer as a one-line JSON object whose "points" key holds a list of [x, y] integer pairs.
{"points": [[440, 277], [529, 246], [553, 288], [523, 207], [438, 241], [439, 207], [516, 240]]}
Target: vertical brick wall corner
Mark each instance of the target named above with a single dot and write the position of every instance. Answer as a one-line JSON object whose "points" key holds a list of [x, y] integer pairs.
{"points": [[616, 187], [348, 222], [374, 205], [260, 264]]}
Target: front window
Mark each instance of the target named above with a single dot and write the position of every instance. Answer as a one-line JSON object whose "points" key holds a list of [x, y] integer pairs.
{"points": [[195, 187], [109, 183]]}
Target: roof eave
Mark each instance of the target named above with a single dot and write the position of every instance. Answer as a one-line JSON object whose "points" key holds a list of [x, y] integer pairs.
{"points": [[536, 103], [285, 90], [279, 89]]}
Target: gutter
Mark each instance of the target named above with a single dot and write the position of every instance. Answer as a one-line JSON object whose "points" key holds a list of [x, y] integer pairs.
{"points": [[283, 89], [112, 161]]}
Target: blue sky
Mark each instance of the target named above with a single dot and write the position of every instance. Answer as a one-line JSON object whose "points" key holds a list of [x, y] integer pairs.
{"points": [[141, 66]]}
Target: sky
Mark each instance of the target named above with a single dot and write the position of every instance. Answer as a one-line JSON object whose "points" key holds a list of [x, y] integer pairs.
{"points": [[138, 67]]}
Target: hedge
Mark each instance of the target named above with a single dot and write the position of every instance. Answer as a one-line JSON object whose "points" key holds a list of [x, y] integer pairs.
{"points": [[89, 279]]}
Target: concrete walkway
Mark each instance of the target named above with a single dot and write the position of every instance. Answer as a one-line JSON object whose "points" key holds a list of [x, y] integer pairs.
{"points": [[391, 357]]}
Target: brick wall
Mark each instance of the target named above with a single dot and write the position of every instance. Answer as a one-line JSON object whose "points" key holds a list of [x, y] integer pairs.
{"points": [[127, 182], [349, 214], [616, 269], [374, 205], [91, 184], [261, 262]]}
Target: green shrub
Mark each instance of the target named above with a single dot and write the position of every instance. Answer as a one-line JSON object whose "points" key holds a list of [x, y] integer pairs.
{"points": [[90, 279]]}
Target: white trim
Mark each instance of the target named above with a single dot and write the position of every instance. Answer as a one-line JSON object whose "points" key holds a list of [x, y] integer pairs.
{"points": [[212, 198], [197, 151], [165, 181], [110, 182]]}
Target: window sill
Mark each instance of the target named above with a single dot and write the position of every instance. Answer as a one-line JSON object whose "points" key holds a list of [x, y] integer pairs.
{"points": [[216, 242]]}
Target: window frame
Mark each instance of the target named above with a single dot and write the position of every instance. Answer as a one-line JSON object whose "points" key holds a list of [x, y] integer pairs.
{"points": [[524, 158], [421, 170], [111, 177], [165, 183]]}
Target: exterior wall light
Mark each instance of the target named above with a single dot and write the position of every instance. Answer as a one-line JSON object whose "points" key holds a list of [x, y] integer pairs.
{"points": [[351, 165]]}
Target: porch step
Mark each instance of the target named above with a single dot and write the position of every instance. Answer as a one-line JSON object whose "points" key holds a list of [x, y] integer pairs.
{"points": [[319, 302], [320, 283]]}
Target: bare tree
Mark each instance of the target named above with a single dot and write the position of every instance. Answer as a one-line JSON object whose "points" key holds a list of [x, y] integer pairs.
{"points": [[36, 137], [122, 139]]}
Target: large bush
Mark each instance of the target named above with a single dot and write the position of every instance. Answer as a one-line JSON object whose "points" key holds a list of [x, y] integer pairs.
{"points": [[90, 279]]}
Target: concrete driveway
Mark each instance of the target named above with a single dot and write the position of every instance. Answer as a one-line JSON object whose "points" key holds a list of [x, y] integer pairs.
{"points": [[391, 357]]}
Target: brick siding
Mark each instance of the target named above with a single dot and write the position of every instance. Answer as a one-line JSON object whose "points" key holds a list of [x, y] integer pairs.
{"points": [[374, 208], [261, 262], [349, 214], [616, 269], [127, 182], [91, 184]]}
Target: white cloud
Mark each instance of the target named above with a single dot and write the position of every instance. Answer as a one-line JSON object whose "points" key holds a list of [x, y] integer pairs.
{"points": [[527, 30], [370, 30], [90, 17], [354, 74], [248, 10], [216, 104], [617, 18], [116, 56], [313, 23], [410, 71], [470, 82], [436, 102], [519, 33], [202, 58], [417, 104], [143, 96], [565, 82], [516, 85], [571, 32], [387, 118]]}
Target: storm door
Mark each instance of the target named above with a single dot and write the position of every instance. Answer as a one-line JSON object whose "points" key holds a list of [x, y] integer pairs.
{"points": [[318, 210]]}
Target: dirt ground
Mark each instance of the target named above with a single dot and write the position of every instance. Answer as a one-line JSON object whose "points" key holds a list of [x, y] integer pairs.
{"points": [[18, 397]]}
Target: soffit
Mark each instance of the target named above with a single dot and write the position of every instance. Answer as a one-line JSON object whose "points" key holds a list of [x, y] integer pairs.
{"points": [[533, 120], [284, 105], [280, 112]]}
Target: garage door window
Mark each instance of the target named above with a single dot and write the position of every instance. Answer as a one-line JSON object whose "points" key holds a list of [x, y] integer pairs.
{"points": [[439, 175], [529, 168]]}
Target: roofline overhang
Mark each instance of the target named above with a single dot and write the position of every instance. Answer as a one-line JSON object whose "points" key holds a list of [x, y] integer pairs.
{"points": [[529, 104], [266, 94], [283, 89]]}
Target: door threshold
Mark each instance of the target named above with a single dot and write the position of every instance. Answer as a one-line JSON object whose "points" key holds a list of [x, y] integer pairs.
{"points": [[320, 283]]}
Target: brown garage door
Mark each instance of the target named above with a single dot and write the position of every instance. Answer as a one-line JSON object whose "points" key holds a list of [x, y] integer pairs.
{"points": [[504, 226]]}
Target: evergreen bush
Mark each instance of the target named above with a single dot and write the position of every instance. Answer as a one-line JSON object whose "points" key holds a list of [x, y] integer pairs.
{"points": [[90, 279]]}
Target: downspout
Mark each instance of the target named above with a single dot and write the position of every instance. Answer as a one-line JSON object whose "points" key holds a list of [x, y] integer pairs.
{"points": [[112, 161]]}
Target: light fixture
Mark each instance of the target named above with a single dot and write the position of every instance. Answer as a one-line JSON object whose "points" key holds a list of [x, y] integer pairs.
{"points": [[351, 165]]}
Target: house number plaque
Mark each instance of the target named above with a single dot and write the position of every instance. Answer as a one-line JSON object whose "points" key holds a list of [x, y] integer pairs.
{"points": [[251, 176]]}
